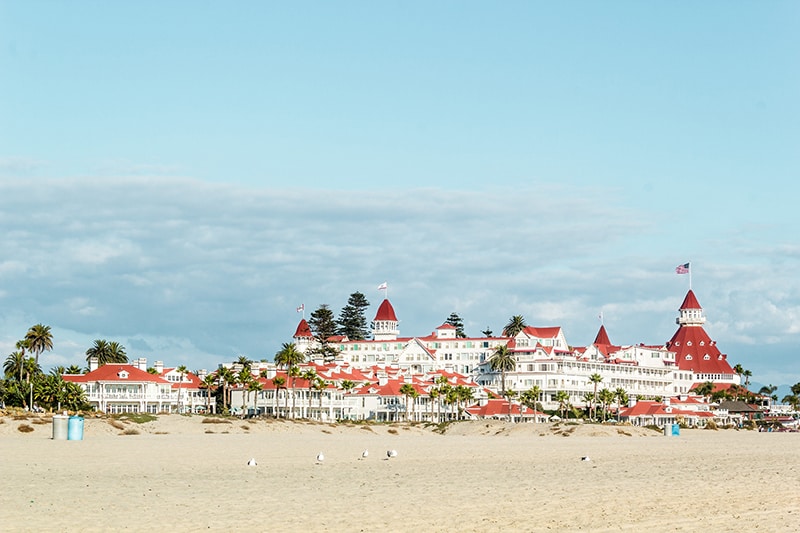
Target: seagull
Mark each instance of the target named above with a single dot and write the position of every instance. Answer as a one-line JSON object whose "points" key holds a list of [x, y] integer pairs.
{"points": [[391, 453], [585, 458], [320, 457], [364, 454], [252, 462]]}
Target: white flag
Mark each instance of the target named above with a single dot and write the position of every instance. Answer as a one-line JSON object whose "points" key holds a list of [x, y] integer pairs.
{"points": [[383, 286]]}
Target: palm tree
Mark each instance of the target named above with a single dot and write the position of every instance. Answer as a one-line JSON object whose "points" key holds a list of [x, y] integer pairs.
{"points": [[116, 353], [747, 375], [182, 371], [243, 361], [407, 390], [792, 399], [225, 378], [279, 382], [466, 395], [433, 394], [309, 375], [510, 395], [289, 356], [530, 398], [502, 360], [563, 399], [621, 396], [73, 369], [39, 339], [254, 386], [208, 383], [243, 378], [15, 364], [99, 350], [319, 386], [515, 324], [606, 397], [738, 370], [595, 379], [704, 389]]}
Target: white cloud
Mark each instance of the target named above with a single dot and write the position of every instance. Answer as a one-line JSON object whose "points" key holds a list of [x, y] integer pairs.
{"points": [[201, 272]]}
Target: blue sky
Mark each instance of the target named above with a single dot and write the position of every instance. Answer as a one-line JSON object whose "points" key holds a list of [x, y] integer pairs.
{"points": [[179, 176]]}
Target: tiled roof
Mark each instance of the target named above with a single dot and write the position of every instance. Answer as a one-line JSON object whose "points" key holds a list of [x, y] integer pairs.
{"points": [[303, 329], [114, 372], [386, 311]]}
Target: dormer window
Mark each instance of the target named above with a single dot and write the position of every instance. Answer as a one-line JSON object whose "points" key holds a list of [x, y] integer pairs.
{"points": [[702, 343], [706, 357], [688, 343], [677, 343], [122, 374], [688, 357]]}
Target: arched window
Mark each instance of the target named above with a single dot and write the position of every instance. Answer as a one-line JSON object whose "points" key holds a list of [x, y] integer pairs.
{"points": [[706, 357], [688, 357]]}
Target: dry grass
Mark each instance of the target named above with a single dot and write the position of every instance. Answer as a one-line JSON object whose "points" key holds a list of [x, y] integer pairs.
{"points": [[25, 428], [245, 427], [623, 432], [20, 417], [116, 424], [40, 421], [130, 431], [392, 431], [215, 421]]}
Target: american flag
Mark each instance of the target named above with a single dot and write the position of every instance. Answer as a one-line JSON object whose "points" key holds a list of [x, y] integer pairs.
{"points": [[682, 269]]}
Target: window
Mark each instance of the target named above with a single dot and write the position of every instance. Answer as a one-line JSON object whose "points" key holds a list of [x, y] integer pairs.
{"points": [[688, 357], [706, 357]]}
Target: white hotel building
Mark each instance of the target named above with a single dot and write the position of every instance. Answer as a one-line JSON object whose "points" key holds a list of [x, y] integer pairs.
{"points": [[544, 357]]}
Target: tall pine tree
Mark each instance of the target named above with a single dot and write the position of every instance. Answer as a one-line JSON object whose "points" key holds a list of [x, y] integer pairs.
{"points": [[322, 323], [455, 321], [352, 320]]}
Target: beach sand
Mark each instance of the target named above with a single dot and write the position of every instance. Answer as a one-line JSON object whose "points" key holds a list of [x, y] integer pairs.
{"points": [[182, 474]]}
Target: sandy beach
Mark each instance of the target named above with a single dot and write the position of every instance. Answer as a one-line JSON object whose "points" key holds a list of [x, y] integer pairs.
{"points": [[182, 474]]}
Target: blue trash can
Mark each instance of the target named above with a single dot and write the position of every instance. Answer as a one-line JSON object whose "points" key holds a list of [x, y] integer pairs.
{"points": [[75, 428], [676, 430]]}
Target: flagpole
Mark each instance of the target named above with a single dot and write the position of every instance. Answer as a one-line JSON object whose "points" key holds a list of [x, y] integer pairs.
{"points": [[690, 275]]}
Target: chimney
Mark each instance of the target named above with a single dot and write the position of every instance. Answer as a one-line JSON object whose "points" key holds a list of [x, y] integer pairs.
{"points": [[201, 374], [159, 366], [92, 364], [631, 401]]}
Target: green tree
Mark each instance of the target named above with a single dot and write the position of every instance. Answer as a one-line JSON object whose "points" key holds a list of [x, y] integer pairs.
{"points": [[309, 376], [39, 339], [487, 332], [704, 389], [182, 371], [352, 320], [515, 324], [322, 324], [106, 352], [225, 378], [254, 386], [208, 383], [15, 365], [563, 400], [407, 389], [73, 369], [455, 321], [280, 383], [606, 398], [319, 386], [595, 379], [792, 399], [747, 375], [502, 360], [530, 399], [621, 395]]}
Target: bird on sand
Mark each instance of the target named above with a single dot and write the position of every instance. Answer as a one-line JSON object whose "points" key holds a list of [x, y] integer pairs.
{"points": [[252, 462], [364, 454], [391, 453], [320, 457]]}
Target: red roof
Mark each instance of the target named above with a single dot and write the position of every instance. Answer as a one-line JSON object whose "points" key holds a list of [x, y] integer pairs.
{"points": [[499, 407], [694, 349], [113, 371], [542, 333], [690, 302], [303, 330], [602, 336], [386, 312]]}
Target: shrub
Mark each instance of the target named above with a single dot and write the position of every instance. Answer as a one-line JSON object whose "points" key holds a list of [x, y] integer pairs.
{"points": [[139, 418], [25, 428], [130, 431]]}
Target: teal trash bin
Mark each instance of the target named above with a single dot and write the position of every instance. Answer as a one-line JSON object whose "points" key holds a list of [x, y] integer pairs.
{"points": [[676, 430], [60, 426], [75, 429]]}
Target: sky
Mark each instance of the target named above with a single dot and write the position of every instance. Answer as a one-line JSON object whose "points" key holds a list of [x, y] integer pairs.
{"points": [[180, 176]]}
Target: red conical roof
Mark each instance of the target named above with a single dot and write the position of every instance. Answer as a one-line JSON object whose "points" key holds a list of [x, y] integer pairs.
{"points": [[303, 330], [602, 336], [690, 302], [386, 312]]}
